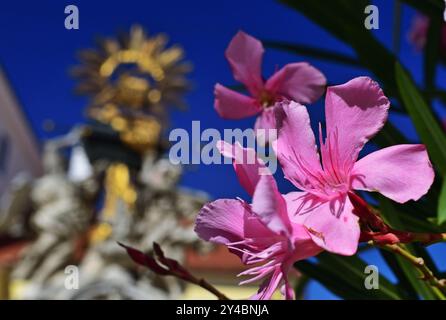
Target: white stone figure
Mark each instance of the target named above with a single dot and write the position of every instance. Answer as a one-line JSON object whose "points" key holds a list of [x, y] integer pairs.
{"points": [[162, 213], [15, 205], [162, 209], [167, 217], [61, 215]]}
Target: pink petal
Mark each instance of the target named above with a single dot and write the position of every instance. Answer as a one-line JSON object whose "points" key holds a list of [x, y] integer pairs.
{"points": [[355, 112], [299, 207], [221, 221], [306, 247], [287, 290], [295, 146], [265, 126], [269, 205], [246, 164], [268, 287], [266, 120], [295, 205], [334, 227], [300, 82], [255, 229], [230, 104], [244, 54], [401, 172], [228, 221]]}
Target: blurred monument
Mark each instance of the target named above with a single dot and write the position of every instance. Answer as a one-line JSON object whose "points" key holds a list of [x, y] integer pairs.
{"points": [[107, 181], [19, 164]]}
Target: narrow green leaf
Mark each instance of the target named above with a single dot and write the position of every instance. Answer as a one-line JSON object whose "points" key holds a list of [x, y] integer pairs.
{"points": [[423, 118], [348, 25], [405, 269], [415, 216], [414, 277], [345, 277], [403, 280], [442, 204], [301, 286], [428, 7], [313, 52], [354, 267], [436, 94], [389, 136], [324, 275], [422, 252]]}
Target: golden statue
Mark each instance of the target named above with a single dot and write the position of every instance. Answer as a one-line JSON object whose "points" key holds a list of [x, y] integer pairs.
{"points": [[130, 82]]}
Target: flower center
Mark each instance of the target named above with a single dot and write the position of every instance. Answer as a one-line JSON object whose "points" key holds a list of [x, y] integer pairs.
{"points": [[332, 179], [332, 191], [266, 99]]}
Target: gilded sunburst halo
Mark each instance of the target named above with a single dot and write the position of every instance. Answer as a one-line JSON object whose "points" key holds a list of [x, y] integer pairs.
{"points": [[131, 79]]}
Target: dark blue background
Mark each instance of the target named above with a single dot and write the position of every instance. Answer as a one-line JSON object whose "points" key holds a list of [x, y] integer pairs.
{"points": [[36, 51]]}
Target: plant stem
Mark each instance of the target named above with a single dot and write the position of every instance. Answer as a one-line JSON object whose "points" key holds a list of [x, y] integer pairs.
{"points": [[209, 287], [165, 266], [375, 229], [427, 275]]}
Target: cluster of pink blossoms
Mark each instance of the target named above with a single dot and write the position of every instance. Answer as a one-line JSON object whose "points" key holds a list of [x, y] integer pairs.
{"points": [[299, 82], [275, 230]]}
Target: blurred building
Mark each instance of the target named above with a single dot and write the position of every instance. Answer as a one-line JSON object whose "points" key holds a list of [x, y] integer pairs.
{"points": [[19, 162], [19, 150], [219, 267]]}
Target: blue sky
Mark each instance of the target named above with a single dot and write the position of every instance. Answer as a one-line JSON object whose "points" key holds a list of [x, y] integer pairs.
{"points": [[37, 52]]}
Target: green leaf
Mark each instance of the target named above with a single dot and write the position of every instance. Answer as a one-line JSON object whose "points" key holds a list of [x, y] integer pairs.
{"points": [[442, 204], [345, 277], [389, 136], [403, 280], [436, 94], [348, 25], [423, 118], [301, 286], [414, 216], [428, 7], [422, 252], [404, 270], [313, 52], [413, 275], [324, 275]]}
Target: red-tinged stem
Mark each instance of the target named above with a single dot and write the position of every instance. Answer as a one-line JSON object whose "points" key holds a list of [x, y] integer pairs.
{"points": [[207, 286], [165, 266], [395, 236], [202, 283], [382, 233], [376, 232]]}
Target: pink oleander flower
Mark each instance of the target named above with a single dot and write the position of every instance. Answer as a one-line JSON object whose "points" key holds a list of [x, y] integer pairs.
{"points": [[418, 34], [355, 111], [296, 81], [261, 233]]}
